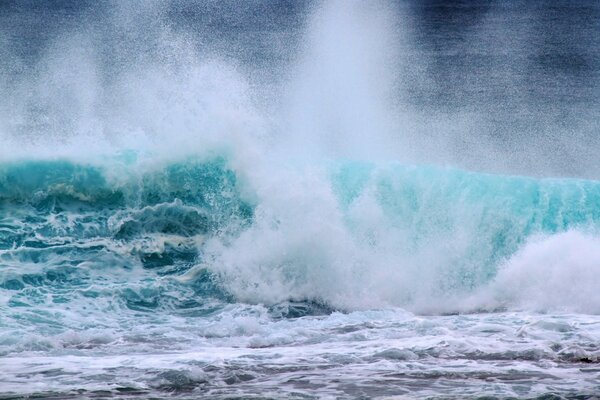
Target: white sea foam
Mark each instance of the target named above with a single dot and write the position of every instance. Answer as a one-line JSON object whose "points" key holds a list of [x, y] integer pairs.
{"points": [[559, 272], [337, 220]]}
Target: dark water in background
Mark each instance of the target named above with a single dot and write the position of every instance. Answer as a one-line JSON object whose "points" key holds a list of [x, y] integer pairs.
{"points": [[527, 72], [521, 77], [299, 199]]}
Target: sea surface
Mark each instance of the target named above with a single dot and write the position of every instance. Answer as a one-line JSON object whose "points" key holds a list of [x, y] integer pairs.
{"points": [[299, 199]]}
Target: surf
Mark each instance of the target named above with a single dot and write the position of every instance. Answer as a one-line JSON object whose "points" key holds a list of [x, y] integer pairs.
{"points": [[346, 234]]}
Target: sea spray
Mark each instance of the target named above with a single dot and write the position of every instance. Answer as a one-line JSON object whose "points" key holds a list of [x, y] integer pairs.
{"points": [[341, 100], [311, 208], [216, 199], [422, 238]]}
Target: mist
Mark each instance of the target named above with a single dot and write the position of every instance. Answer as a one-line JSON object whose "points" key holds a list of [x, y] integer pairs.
{"points": [[494, 87]]}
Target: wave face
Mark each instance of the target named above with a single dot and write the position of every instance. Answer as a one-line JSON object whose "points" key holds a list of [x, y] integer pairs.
{"points": [[347, 235]]}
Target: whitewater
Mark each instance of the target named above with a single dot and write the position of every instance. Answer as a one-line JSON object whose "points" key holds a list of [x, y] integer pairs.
{"points": [[174, 223]]}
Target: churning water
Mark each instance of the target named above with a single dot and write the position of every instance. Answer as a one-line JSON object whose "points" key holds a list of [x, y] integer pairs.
{"points": [[299, 200]]}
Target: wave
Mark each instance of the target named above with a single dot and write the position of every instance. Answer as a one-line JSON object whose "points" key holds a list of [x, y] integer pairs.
{"points": [[348, 235], [101, 235], [58, 183], [362, 235]]}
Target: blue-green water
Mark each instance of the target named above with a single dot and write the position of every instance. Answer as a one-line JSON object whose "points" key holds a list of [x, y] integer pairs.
{"points": [[299, 199], [67, 224], [173, 265]]}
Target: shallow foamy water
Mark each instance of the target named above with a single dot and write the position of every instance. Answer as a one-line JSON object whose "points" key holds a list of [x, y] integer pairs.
{"points": [[246, 351]]}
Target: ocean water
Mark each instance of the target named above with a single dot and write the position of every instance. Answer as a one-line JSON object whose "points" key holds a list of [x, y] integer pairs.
{"points": [[337, 199]]}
